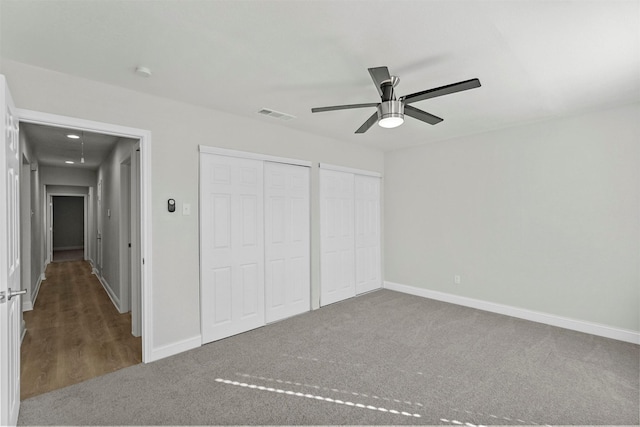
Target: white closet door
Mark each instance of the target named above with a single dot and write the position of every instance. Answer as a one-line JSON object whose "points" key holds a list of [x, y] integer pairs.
{"points": [[367, 224], [287, 243], [232, 246], [337, 267]]}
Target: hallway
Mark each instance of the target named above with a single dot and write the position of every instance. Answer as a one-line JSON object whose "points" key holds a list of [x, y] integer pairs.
{"points": [[74, 332]]}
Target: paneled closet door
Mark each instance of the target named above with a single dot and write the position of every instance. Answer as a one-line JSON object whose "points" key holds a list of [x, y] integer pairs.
{"points": [[287, 242], [337, 269], [368, 241], [232, 246]]}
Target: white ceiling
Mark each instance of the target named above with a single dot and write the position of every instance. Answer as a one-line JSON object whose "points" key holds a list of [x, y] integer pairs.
{"points": [[52, 147], [536, 59]]}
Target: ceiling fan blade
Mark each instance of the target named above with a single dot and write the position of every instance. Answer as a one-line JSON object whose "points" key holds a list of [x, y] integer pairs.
{"points": [[370, 122], [343, 107], [443, 90], [379, 75], [421, 115]]}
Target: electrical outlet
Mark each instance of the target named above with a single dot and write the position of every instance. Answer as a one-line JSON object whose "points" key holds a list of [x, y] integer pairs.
{"points": [[456, 279]]}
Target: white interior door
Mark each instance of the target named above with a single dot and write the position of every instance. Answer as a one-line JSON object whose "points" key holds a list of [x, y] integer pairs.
{"points": [[367, 225], [232, 245], [337, 266], [287, 243], [10, 307]]}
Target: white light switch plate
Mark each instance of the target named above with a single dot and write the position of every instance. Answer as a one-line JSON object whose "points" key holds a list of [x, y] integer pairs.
{"points": [[186, 209]]}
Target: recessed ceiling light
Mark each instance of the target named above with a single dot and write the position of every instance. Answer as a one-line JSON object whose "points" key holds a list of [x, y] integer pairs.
{"points": [[69, 162], [72, 136]]}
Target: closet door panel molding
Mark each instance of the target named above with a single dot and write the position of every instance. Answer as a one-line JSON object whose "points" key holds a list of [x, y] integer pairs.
{"points": [[337, 267], [367, 239], [350, 255], [232, 246], [287, 241]]}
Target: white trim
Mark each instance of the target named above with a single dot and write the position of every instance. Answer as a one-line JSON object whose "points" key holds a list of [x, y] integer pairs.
{"points": [[254, 156], [36, 290], [30, 302], [112, 296], [521, 313], [175, 348], [85, 232], [54, 120], [349, 170], [145, 201]]}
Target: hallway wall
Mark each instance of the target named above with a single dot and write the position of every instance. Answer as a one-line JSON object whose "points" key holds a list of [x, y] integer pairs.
{"points": [[109, 221]]}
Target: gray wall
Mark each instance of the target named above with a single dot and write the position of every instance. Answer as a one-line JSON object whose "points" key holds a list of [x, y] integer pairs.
{"points": [[177, 129], [68, 222], [69, 176], [544, 217]]}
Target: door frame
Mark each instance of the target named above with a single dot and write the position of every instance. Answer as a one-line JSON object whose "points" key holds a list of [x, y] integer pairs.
{"points": [[124, 238], [144, 136], [136, 260]]}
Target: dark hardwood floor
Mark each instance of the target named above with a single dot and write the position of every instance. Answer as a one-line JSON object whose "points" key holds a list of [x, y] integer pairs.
{"points": [[74, 332]]}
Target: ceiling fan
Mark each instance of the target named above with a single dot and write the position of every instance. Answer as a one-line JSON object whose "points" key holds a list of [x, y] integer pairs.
{"points": [[390, 111]]}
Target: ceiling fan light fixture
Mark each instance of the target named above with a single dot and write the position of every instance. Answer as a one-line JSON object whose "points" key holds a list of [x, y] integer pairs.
{"points": [[390, 114]]}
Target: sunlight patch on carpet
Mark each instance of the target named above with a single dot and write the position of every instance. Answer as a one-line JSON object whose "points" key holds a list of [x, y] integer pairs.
{"points": [[316, 397]]}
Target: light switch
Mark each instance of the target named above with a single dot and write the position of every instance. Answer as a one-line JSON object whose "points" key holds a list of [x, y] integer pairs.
{"points": [[186, 209]]}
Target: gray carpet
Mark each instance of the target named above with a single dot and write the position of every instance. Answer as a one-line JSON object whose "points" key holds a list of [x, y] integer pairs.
{"points": [[382, 358]]}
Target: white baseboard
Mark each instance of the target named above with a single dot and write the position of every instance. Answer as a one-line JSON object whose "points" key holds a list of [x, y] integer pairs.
{"points": [[112, 296], [174, 348], [36, 289], [23, 331], [30, 302], [521, 313]]}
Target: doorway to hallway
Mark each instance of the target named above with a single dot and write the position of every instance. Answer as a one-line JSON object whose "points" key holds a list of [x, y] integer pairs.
{"points": [[80, 325]]}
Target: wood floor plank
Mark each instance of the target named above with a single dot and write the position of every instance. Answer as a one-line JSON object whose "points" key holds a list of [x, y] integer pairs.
{"points": [[74, 332]]}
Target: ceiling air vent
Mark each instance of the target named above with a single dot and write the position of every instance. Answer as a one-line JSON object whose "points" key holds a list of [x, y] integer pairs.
{"points": [[276, 114]]}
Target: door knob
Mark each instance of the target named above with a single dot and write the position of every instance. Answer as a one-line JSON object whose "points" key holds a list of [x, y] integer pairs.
{"points": [[10, 294]]}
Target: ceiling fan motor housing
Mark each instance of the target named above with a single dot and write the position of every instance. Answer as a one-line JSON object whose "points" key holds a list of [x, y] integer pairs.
{"points": [[388, 109], [386, 90]]}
